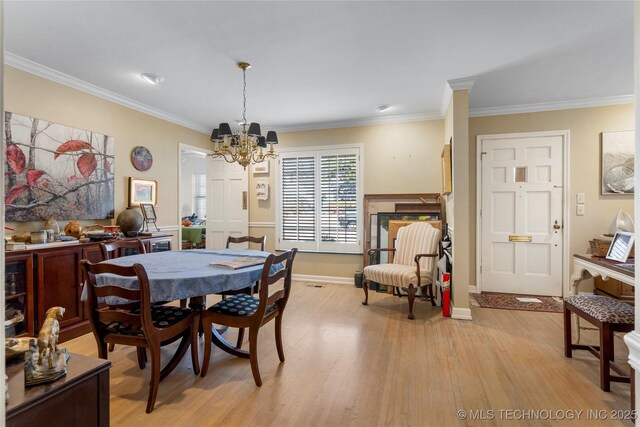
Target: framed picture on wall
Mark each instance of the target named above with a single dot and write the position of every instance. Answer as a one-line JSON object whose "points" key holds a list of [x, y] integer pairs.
{"points": [[142, 191], [262, 167], [618, 153]]}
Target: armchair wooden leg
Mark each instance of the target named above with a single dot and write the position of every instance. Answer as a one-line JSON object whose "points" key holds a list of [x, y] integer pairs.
{"points": [[253, 355], [365, 288], [207, 348], [141, 352], [155, 378], [431, 296], [279, 337], [412, 296], [240, 337]]}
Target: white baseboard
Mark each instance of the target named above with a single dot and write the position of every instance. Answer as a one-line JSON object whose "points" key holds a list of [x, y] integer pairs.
{"points": [[323, 279], [461, 313], [473, 289]]}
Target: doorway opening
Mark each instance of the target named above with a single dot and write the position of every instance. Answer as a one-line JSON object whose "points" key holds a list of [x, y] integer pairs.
{"points": [[193, 197]]}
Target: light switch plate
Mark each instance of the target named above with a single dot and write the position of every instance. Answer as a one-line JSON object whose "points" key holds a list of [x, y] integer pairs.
{"points": [[580, 198], [580, 210]]}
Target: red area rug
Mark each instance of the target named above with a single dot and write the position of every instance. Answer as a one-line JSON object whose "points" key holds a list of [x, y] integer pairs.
{"points": [[511, 302]]}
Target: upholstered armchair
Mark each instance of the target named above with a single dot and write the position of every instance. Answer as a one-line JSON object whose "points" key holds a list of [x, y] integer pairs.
{"points": [[414, 263]]}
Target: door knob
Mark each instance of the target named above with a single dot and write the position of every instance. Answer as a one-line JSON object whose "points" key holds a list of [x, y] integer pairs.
{"points": [[556, 225]]}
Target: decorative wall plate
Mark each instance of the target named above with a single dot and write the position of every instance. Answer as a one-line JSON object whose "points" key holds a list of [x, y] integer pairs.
{"points": [[141, 158]]}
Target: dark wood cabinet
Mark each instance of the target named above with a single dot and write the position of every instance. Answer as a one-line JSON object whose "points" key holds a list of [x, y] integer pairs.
{"points": [[81, 398], [41, 278], [59, 283]]}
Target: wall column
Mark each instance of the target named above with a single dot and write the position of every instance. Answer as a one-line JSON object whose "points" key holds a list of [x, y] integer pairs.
{"points": [[459, 209]]}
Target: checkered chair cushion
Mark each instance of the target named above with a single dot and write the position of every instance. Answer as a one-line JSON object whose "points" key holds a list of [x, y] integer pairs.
{"points": [[238, 305], [603, 308], [413, 239], [163, 317]]}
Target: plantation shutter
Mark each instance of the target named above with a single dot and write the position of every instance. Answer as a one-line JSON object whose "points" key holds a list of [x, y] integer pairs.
{"points": [[298, 199], [318, 200], [339, 214]]}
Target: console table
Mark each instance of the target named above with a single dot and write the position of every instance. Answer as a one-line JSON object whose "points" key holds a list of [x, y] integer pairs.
{"points": [[588, 266], [81, 398]]}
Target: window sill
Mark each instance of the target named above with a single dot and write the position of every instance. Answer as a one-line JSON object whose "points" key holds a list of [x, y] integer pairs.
{"points": [[322, 252]]}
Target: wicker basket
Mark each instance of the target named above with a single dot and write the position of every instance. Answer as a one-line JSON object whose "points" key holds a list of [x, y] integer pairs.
{"points": [[599, 247]]}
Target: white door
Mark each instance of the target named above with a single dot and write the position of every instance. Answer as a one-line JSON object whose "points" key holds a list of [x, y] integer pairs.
{"points": [[227, 202], [521, 214]]}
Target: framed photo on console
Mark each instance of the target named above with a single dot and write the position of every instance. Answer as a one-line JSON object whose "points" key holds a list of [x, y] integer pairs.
{"points": [[149, 215], [621, 246]]}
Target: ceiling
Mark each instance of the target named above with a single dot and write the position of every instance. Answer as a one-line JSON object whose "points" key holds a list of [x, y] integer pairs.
{"points": [[326, 64]]}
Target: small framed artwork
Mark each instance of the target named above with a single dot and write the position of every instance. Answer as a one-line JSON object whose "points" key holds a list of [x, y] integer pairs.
{"points": [[148, 212], [262, 167], [621, 246], [618, 152], [262, 189], [142, 191]]}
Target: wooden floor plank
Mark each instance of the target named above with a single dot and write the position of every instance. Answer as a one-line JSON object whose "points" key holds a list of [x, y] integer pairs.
{"points": [[353, 365]]}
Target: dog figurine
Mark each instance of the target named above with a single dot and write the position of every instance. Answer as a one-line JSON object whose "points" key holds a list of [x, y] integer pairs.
{"points": [[48, 336]]}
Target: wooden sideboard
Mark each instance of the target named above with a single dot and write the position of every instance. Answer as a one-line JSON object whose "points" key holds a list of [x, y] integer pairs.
{"points": [[40, 278], [81, 398]]}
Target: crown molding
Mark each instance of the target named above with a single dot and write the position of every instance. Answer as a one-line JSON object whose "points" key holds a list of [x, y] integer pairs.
{"points": [[357, 122], [40, 70], [550, 106], [461, 84]]}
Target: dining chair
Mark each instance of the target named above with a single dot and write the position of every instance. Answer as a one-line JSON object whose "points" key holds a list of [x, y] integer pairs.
{"points": [[118, 248], [130, 319], [250, 290], [413, 266], [247, 311]]}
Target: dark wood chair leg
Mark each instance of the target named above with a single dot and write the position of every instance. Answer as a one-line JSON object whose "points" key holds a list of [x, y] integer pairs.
{"points": [[102, 350], [612, 347], [240, 337], [279, 336], [194, 344], [207, 348], [112, 346], [141, 352], [567, 333], [365, 288], [431, 296], [155, 377], [412, 296], [605, 351], [253, 355]]}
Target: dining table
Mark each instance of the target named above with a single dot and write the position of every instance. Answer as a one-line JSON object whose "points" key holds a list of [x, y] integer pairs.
{"points": [[192, 274]]}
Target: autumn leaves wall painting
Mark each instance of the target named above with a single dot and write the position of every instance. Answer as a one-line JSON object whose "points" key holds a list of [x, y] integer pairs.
{"points": [[56, 170]]}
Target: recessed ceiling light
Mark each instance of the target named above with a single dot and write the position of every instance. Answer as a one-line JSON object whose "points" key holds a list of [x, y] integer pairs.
{"points": [[382, 108], [151, 78]]}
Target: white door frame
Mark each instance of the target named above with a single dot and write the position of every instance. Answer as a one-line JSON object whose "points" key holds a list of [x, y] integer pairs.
{"points": [[182, 147], [565, 134]]}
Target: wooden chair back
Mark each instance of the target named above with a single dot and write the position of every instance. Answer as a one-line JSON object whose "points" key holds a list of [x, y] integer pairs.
{"points": [[244, 239], [118, 248], [136, 306], [280, 296]]}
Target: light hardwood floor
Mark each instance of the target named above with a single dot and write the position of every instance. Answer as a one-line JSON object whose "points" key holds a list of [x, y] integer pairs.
{"points": [[347, 364]]}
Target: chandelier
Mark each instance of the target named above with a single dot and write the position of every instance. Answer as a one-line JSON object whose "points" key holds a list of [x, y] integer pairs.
{"points": [[247, 146]]}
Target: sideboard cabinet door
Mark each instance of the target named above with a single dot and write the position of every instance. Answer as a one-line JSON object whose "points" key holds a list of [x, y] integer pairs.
{"points": [[59, 284]]}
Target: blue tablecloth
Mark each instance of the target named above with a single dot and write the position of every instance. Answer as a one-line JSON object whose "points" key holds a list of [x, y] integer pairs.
{"points": [[175, 275]]}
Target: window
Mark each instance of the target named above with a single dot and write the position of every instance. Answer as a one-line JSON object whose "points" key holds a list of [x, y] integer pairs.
{"points": [[200, 195], [319, 193]]}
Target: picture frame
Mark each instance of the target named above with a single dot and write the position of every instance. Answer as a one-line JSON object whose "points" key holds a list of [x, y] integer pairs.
{"points": [[617, 163], [262, 189], [621, 246], [148, 212], [262, 167], [142, 191]]}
